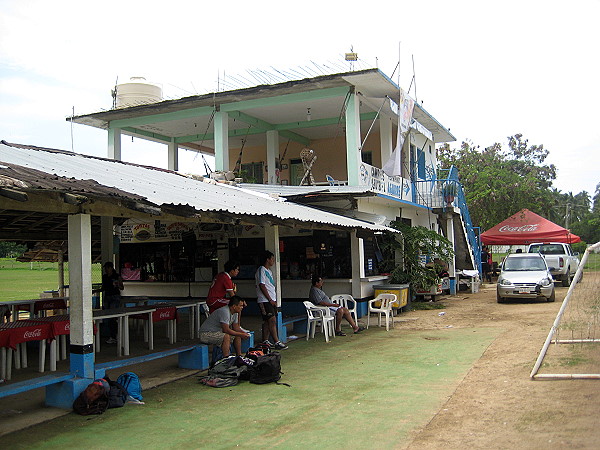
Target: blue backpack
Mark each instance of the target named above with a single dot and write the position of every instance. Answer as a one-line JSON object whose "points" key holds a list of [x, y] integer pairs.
{"points": [[131, 382]]}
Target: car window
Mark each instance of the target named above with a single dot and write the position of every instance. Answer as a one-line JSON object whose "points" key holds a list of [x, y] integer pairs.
{"points": [[524, 264]]}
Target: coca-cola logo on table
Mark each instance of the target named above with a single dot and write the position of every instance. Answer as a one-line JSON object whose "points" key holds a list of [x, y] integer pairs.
{"points": [[165, 315], [519, 229], [33, 334]]}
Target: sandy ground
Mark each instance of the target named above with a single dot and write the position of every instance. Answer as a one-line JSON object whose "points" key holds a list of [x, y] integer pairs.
{"points": [[497, 405]]}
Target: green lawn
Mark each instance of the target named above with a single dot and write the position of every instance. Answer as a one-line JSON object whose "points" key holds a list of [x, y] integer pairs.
{"points": [[19, 281]]}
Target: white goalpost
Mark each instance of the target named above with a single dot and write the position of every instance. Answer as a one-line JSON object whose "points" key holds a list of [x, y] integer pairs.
{"points": [[575, 332]]}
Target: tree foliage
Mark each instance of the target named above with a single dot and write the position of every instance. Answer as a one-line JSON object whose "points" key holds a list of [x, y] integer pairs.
{"points": [[413, 243], [499, 182]]}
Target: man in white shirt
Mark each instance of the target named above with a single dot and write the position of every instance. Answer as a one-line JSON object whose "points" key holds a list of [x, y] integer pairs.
{"points": [[266, 295]]}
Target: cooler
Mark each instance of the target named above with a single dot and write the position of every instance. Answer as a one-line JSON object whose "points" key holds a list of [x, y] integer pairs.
{"points": [[401, 291]]}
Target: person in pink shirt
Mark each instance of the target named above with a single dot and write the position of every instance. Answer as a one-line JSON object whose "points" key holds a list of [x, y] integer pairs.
{"points": [[222, 287]]}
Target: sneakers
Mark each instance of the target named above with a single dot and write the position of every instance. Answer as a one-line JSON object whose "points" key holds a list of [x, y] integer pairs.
{"points": [[111, 341], [359, 329], [280, 345], [268, 343]]}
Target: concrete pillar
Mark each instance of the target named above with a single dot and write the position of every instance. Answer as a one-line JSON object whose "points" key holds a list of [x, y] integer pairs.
{"points": [[114, 144], [452, 265], [221, 141], [80, 295], [357, 252], [173, 156], [272, 244], [385, 138], [272, 153], [353, 158]]}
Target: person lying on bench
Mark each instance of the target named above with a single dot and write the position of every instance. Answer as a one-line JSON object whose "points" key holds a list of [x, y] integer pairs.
{"points": [[222, 326], [319, 298]]}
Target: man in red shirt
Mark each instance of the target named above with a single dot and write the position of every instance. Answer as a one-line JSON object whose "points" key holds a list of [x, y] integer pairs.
{"points": [[222, 287]]}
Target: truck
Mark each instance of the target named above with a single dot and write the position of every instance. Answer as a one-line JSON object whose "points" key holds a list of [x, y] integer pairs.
{"points": [[561, 260]]}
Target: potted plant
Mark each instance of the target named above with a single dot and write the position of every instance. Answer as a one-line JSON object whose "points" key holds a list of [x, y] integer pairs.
{"points": [[412, 244], [449, 191]]}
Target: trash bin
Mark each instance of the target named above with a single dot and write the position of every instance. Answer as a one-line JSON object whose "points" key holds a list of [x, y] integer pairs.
{"points": [[401, 291]]}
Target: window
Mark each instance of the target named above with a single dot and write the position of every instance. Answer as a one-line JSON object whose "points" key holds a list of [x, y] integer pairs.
{"points": [[253, 172], [367, 157]]}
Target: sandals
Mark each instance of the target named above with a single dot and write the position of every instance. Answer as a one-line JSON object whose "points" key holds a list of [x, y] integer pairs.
{"points": [[359, 330], [340, 333]]}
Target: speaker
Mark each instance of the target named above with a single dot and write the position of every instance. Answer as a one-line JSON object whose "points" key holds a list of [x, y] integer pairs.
{"points": [[321, 241]]}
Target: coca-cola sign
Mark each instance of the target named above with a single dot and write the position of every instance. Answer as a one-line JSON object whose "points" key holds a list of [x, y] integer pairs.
{"points": [[519, 229], [165, 315], [33, 334]]}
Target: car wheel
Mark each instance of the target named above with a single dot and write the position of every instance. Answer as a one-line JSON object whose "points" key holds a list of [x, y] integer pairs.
{"points": [[566, 280], [552, 296], [499, 299]]}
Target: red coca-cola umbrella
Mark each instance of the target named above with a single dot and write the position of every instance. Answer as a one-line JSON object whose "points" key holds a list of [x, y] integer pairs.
{"points": [[526, 227]]}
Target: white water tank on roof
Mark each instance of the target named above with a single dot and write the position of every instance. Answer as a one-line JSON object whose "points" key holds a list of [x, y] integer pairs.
{"points": [[136, 92]]}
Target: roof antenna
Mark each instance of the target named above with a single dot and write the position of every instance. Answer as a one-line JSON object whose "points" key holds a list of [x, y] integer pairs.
{"points": [[113, 93]]}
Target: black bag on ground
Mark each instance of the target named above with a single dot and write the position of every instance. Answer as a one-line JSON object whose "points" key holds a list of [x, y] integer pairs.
{"points": [[117, 394], [227, 368], [266, 369], [93, 400]]}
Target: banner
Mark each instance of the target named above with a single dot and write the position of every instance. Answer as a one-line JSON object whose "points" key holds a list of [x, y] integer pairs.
{"points": [[393, 167]]}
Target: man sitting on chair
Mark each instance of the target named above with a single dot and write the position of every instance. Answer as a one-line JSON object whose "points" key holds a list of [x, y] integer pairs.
{"points": [[222, 327], [319, 298]]}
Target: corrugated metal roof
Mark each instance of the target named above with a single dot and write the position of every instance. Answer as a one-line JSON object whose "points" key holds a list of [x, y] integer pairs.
{"points": [[293, 191], [163, 187]]}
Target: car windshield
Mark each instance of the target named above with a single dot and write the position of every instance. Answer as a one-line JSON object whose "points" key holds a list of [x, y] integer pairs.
{"points": [[524, 264], [547, 249]]}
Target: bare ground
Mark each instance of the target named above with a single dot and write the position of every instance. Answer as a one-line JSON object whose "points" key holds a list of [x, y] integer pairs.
{"points": [[497, 405]]}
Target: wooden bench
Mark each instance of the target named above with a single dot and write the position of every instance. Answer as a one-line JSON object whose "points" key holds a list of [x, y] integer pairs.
{"points": [[190, 357], [28, 385]]}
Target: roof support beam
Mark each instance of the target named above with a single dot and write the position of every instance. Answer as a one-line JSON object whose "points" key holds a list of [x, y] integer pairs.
{"points": [[191, 113]]}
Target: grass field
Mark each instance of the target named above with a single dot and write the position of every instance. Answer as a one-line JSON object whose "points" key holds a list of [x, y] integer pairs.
{"points": [[19, 281]]}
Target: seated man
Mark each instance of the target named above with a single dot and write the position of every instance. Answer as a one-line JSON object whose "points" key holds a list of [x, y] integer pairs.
{"points": [[223, 325], [319, 298]]}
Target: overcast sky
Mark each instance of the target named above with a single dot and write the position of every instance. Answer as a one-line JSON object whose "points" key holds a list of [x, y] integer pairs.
{"points": [[484, 70]]}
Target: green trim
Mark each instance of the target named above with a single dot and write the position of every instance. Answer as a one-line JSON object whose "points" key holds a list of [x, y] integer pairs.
{"points": [[285, 99], [164, 117], [320, 122], [160, 137]]}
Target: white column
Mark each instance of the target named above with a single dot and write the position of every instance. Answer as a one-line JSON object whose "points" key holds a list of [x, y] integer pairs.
{"points": [[80, 279], [106, 239], [385, 138], [272, 153], [173, 156], [114, 143], [353, 158], [272, 244], [357, 257], [221, 141]]}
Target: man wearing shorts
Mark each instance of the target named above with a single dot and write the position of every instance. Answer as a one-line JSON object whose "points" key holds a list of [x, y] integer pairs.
{"points": [[266, 294], [222, 326], [319, 298]]}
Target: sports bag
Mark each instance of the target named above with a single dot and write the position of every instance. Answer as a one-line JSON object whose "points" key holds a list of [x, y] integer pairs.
{"points": [[117, 394], [266, 369], [227, 368], [131, 382], [93, 400]]}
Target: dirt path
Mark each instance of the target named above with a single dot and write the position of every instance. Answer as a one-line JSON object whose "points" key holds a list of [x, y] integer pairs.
{"points": [[497, 405]]}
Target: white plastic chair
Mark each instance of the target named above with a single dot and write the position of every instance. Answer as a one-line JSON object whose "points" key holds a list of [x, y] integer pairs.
{"points": [[385, 308], [346, 301], [319, 315]]}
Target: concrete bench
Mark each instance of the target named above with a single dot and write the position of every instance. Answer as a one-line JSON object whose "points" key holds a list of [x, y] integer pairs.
{"points": [[28, 385], [299, 323], [190, 357]]}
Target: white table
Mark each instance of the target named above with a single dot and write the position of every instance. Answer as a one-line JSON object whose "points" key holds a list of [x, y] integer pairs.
{"points": [[121, 314]]}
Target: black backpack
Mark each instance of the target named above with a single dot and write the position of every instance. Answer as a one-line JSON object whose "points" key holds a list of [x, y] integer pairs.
{"points": [[117, 394], [93, 400], [266, 369]]}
